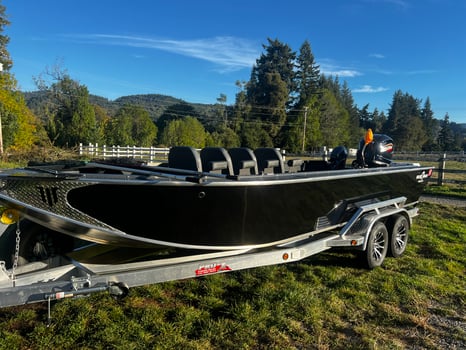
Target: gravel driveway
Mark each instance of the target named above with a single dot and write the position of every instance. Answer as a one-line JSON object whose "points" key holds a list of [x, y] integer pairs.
{"points": [[457, 202]]}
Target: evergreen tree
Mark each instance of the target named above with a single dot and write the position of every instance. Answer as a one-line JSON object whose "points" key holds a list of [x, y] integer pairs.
{"points": [[241, 109], [404, 122], [348, 103], [378, 120], [278, 95], [5, 59], [251, 131], [430, 125], [446, 137], [307, 75], [305, 133], [459, 136], [365, 118], [334, 121], [371, 120], [331, 83], [254, 135], [278, 58], [268, 91]]}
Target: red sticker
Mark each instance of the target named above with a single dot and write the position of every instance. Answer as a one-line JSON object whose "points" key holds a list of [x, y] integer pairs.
{"points": [[212, 268]]}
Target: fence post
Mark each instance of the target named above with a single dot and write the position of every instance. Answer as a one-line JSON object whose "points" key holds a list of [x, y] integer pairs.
{"points": [[441, 169]]}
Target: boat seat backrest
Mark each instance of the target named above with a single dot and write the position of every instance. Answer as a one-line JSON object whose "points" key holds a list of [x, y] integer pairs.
{"points": [[269, 160], [216, 160], [294, 165], [184, 157], [244, 161]]}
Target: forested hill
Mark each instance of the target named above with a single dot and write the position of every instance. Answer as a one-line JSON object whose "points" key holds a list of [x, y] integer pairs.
{"points": [[155, 104]]}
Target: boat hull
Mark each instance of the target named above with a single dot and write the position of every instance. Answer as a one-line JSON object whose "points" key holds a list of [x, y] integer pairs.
{"points": [[212, 213]]}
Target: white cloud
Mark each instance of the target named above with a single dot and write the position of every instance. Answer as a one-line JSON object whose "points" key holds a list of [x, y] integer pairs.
{"points": [[376, 55], [228, 52], [329, 69], [370, 89]]}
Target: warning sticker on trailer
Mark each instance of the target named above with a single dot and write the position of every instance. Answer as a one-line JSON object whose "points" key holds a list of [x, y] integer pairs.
{"points": [[212, 268]]}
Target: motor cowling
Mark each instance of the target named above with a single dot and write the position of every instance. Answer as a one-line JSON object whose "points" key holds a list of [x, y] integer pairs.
{"points": [[338, 158], [376, 153]]}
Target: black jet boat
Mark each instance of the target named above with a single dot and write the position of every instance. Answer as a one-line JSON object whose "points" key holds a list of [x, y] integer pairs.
{"points": [[213, 199]]}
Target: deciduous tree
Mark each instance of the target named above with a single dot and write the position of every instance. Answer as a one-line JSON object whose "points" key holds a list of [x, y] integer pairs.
{"points": [[19, 127], [71, 117], [184, 132]]}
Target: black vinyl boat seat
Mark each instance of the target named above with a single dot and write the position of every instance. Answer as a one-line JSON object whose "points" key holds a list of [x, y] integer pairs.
{"points": [[337, 161], [244, 161], [269, 160], [294, 165], [184, 157], [216, 160]]}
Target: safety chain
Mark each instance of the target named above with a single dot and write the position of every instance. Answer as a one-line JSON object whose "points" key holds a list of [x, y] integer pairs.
{"points": [[16, 257]]}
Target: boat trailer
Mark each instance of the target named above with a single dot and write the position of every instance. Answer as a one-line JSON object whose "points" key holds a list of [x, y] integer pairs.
{"points": [[376, 227]]}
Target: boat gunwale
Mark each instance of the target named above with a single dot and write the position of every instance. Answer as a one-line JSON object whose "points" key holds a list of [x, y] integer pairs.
{"points": [[192, 178]]}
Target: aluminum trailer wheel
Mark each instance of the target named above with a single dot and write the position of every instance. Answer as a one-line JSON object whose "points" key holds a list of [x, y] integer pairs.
{"points": [[377, 245], [399, 235]]}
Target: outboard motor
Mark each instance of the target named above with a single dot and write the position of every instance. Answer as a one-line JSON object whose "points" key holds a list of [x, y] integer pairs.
{"points": [[338, 158], [375, 150]]}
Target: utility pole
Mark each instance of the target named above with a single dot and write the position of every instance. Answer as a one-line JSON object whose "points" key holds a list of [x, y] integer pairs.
{"points": [[304, 128]]}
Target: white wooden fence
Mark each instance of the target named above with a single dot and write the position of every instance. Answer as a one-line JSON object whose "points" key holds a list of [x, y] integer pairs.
{"points": [[147, 154]]}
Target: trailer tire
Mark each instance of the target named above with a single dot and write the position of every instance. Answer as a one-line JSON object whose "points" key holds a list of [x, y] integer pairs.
{"points": [[377, 245], [399, 236]]}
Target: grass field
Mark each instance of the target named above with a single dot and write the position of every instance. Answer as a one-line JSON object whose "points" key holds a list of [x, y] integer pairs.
{"points": [[450, 188], [327, 301]]}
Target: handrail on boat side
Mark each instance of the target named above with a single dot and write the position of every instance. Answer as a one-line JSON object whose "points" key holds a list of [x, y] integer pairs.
{"points": [[176, 174]]}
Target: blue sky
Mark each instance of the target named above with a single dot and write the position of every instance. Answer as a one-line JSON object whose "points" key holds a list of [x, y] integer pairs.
{"points": [[197, 50]]}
